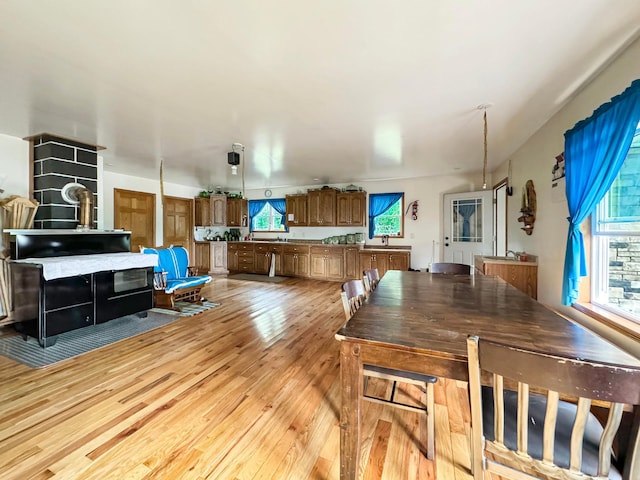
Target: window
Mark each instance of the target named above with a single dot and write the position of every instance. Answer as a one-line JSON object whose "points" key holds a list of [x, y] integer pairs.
{"points": [[267, 215], [386, 214], [615, 283]]}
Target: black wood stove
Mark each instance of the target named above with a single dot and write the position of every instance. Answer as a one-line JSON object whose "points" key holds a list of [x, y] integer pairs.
{"points": [[66, 279]]}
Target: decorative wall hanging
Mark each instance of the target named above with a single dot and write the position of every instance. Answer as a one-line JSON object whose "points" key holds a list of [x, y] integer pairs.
{"points": [[529, 207]]}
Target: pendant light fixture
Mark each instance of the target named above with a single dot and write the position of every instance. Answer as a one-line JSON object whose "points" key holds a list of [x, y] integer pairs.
{"points": [[483, 107]]}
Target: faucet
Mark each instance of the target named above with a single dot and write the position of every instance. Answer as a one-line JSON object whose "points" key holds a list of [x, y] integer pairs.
{"points": [[511, 252]]}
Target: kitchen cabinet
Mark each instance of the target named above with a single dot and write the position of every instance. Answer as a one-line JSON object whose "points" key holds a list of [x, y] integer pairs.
{"points": [[351, 263], [202, 257], [237, 212], [244, 257], [522, 275], [263, 256], [350, 208], [296, 210], [384, 260], [322, 207], [326, 263], [218, 205], [210, 211], [295, 260], [218, 258], [202, 216], [232, 256]]}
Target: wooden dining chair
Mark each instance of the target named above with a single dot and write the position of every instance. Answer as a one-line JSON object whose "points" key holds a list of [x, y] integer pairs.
{"points": [[451, 268], [523, 435], [353, 295], [373, 277]]}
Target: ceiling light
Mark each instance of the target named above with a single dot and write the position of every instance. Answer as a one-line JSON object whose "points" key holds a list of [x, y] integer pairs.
{"points": [[234, 169]]}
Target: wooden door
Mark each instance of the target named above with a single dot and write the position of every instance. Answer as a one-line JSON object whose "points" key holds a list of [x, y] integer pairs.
{"points": [[177, 221], [135, 212]]}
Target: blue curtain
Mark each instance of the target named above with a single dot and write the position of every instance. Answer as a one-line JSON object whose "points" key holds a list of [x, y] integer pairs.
{"points": [[595, 149], [255, 207], [378, 204], [280, 206]]}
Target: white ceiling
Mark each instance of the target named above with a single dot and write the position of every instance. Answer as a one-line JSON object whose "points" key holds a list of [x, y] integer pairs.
{"points": [[331, 91]]}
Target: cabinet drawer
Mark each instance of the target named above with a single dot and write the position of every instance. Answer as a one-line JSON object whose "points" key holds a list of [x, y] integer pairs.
{"points": [[268, 248], [64, 292], [296, 249], [327, 250], [67, 319], [245, 247], [245, 260]]}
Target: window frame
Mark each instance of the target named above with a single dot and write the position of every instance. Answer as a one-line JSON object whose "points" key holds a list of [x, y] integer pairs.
{"points": [[272, 216], [600, 235], [401, 216]]}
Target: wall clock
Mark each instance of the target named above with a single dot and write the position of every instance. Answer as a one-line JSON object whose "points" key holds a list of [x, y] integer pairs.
{"points": [[267, 193]]}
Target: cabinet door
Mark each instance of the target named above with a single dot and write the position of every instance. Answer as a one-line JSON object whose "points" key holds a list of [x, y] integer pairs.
{"points": [[343, 209], [302, 265], [328, 207], [289, 264], [357, 208], [334, 266], [398, 261], [351, 263], [202, 257], [317, 266], [218, 210], [313, 204], [296, 210], [202, 212], [262, 260], [232, 257], [237, 212], [219, 257]]}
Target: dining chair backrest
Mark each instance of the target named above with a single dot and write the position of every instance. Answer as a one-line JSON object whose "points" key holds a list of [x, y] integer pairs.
{"points": [[538, 432], [373, 276], [451, 268], [354, 293]]}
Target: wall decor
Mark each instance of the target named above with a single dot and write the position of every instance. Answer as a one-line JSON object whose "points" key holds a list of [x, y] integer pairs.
{"points": [[528, 207]]}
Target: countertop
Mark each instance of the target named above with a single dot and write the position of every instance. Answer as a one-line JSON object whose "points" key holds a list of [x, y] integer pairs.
{"points": [[532, 260], [318, 243]]}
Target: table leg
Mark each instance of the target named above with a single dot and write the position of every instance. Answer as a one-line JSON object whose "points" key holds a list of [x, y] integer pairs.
{"points": [[350, 415]]}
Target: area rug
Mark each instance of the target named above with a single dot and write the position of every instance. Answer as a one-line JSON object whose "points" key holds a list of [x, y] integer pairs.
{"points": [[256, 278], [74, 343], [187, 309]]}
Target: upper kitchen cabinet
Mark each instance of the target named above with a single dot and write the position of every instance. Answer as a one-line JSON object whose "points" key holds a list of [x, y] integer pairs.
{"points": [[211, 211], [218, 210], [297, 210], [322, 207], [350, 209], [237, 212], [202, 217]]}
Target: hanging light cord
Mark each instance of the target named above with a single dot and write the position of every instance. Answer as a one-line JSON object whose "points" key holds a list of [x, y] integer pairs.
{"points": [[484, 165]]}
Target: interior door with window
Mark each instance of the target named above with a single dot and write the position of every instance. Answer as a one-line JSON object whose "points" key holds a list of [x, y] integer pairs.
{"points": [[468, 226]]}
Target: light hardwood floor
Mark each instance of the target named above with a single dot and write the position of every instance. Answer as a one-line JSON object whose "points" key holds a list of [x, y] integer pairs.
{"points": [[248, 390]]}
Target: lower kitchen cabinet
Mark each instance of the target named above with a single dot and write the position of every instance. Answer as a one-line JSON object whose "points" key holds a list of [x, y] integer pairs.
{"points": [[295, 260], [327, 263], [264, 254], [384, 260], [202, 257]]}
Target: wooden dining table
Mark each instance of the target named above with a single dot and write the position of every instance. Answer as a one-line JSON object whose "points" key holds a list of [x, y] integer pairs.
{"points": [[420, 322]]}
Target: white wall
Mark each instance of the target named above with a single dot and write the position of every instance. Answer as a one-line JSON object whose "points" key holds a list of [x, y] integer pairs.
{"points": [[534, 160]]}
